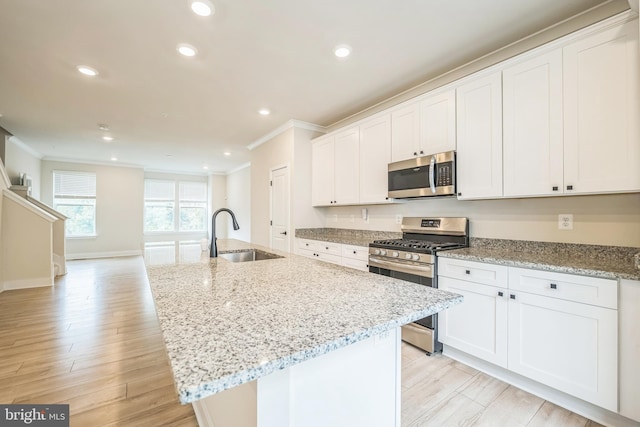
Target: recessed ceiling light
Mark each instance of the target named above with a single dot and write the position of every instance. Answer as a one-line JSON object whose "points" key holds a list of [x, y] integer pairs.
{"points": [[264, 112], [187, 49], [202, 7], [205, 167], [342, 51], [107, 138], [226, 153], [87, 71], [169, 155], [114, 159], [103, 127]]}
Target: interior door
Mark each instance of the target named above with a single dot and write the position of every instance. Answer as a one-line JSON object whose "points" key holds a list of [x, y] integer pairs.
{"points": [[280, 233]]}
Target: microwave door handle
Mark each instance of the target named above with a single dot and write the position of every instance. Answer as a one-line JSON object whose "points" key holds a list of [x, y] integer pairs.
{"points": [[432, 167]]}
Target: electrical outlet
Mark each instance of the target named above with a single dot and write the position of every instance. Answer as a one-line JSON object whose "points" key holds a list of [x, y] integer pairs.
{"points": [[352, 218], [335, 218], [398, 219], [565, 222]]}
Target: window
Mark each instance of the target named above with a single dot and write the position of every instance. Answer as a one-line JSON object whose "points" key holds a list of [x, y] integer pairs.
{"points": [[171, 206], [74, 195]]}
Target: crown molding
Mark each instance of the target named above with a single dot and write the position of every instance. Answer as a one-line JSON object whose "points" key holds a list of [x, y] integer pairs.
{"points": [[239, 168], [284, 127], [91, 162], [25, 147]]}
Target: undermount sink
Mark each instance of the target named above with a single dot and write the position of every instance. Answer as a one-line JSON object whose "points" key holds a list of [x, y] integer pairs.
{"points": [[248, 255]]}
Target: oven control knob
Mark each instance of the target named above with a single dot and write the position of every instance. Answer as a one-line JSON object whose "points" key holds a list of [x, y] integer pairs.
{"points": [[415, 257], [376, 252], [395, 254], [407, 256], [383, 252]]}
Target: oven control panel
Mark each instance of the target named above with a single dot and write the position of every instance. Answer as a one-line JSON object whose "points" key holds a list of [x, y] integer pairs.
{"points": [[430, 223], [393, 254]]}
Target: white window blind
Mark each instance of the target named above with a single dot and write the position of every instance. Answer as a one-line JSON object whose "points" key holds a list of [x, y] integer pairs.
{"points": [[174, 206], [74, 184], [74, 195]]}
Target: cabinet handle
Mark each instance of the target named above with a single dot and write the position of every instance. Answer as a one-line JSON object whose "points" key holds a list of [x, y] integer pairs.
{"points": [[500, 294], [553, 286], [326, 247], [512, 296], [306, 244], [554, 188], [421, 152], [459, 194], [569, 187], [467, 272], [415, 153], [354, 252]]}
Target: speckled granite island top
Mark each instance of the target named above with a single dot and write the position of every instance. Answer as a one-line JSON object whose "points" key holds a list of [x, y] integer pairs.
{"points": [[225, 324], [610, 262]]}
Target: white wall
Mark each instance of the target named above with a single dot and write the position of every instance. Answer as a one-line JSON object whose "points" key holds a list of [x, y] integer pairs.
{"points": [[239, 201], [600, 220], [278, 151], [119, 209], [21, 159], [303, 214]]}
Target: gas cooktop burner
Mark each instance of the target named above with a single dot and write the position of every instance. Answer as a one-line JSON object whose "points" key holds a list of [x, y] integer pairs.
{"points": [[409, 245]]}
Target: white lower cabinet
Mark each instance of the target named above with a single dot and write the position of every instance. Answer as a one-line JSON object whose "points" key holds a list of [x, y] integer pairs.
{"points": [[479, 326], [560, 330], [348, 255]]}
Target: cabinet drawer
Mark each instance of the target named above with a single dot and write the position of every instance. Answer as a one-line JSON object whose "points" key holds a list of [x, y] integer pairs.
{"points": [[358, 264], [311, 245], [479, 272], [355, 252], [587, 290]]}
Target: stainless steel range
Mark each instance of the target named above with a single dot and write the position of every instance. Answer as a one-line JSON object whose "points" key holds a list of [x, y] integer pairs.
{"points": [[413, 258]]}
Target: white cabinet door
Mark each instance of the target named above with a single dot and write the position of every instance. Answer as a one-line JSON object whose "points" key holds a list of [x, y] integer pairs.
{"points": [[375, 155], [322, 172], [438, 123], [601, 97], [532, 124], [405, 132], [479, 133], [478, 326], [629, 333], [347, 167], [569, 346]]}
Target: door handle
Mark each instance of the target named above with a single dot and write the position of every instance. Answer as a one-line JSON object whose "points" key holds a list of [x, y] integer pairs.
{"points": [[285, 233], [432, 165]]}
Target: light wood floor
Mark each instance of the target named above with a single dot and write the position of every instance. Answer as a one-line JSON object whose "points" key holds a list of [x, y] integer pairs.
{"points": [[93, 341]]}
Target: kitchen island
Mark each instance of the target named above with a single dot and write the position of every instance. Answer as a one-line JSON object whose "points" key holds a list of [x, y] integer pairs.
{"points": [[287, 341]]}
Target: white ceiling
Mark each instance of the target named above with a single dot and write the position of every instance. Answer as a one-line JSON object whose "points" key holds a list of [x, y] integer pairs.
{"points": [[252, 54]]}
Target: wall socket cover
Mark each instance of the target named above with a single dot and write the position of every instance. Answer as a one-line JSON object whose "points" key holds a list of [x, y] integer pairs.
{"points": [[398, 219], [565, 222]]}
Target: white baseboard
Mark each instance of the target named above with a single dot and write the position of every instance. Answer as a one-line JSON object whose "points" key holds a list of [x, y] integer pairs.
{"points": [[573, 404], [38, 282], [91, 255]]}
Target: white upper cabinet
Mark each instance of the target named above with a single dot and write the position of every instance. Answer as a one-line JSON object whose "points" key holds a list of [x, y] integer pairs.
{"points": [[335, 168], [375, 155], [405, 132], [479, 133], [322, 175], [347, 167], [601, 112], [424, 127], [438, 123], [532, 126]]}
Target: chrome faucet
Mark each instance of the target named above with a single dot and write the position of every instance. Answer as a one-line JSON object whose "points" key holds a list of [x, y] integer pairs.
{"points": [[214, 246]]}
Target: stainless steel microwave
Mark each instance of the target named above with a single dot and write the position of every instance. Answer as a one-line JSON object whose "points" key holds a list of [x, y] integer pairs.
{"points": [[433, 175]]}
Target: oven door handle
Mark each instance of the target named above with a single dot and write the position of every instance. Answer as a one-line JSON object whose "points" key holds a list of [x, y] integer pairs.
{"points": [[432, 169], [418, 270]]}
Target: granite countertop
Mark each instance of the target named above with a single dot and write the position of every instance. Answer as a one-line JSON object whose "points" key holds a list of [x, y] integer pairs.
{"points": [[345, 236], [610, 262], [225, 324]]}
